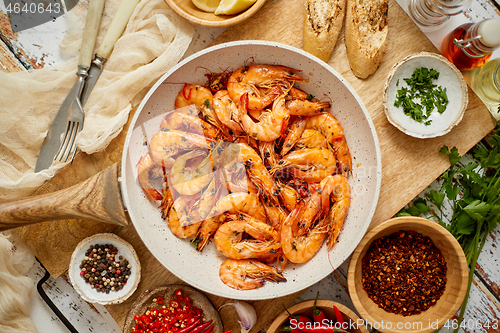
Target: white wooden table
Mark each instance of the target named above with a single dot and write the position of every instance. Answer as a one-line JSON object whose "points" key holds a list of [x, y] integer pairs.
{"points": [[37, 48]]}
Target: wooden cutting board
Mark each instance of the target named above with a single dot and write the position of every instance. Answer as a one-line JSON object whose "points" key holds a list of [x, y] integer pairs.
{"points": [[408, 164]]}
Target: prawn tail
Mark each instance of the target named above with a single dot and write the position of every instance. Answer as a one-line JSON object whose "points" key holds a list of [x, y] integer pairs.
{"points": [[153, 194], [166, 203], [336, 221], [201, 239]]}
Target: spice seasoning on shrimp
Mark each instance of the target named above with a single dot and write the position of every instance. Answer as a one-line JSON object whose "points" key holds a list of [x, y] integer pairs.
{"points": [[218, 154], [404, 273]]}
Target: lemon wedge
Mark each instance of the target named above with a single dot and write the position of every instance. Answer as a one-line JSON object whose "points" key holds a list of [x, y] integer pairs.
{"points": [[230, 7], [207, 5]]}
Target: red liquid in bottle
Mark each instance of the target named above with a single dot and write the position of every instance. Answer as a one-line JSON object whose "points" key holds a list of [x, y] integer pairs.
{"points": [[456, 55]]}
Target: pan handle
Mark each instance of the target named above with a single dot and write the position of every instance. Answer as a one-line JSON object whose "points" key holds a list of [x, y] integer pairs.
{"points": [[98, 199]]}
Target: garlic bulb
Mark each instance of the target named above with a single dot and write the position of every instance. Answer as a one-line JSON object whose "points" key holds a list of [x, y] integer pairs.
{"points": [[247, 314]]}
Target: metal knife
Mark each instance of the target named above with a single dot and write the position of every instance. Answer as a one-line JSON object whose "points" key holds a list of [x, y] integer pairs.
{"points": [[52, 141], [115, 30]]}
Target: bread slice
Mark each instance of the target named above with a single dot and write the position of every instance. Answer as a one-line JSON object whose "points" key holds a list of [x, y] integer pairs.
{"points": [[322, 24], [366, 35]]}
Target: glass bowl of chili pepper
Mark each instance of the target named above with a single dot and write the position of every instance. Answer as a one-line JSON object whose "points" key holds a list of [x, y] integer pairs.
{"points": [[408, 274], [174, 307], [317, 316]]}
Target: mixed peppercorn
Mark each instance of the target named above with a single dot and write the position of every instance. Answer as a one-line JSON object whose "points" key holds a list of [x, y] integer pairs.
{"points": [[404, 273], [177, 315], [104, 269]]}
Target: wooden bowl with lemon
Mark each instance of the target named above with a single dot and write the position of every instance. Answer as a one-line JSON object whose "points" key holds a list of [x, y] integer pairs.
{"points": [[215, 13]]}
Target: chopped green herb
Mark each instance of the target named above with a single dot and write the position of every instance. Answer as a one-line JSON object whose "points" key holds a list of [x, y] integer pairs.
{"points": [[430, 95]]}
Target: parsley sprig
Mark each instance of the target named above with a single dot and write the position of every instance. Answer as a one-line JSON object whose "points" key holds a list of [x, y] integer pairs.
{"points": [[473, 190], [430, 95]]}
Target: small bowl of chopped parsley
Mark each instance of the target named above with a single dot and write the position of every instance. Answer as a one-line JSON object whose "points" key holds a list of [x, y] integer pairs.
{"points": [[425, 95]]}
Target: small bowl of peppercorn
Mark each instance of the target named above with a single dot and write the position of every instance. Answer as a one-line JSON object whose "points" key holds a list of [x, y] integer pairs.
{"points": [[408, 274], [104, 269]]}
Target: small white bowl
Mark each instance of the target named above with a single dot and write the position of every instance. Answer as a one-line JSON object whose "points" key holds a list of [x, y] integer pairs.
{"points": [[83, 288], [449, 77]]}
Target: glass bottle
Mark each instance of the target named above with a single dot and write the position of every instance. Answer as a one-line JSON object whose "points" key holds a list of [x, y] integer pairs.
{"points": [[485, 82], [470, 45], [433, 13]]}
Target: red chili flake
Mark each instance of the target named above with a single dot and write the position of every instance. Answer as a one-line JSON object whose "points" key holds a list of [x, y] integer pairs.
{"points": [[404, 273]]}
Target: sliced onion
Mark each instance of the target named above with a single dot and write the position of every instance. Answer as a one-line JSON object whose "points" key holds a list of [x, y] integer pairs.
{"points": [[247, 314]]}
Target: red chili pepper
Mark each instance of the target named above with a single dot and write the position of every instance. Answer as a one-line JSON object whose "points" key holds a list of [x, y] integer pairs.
{"points": [[173, 303], [228, 331], [298, 320], [153, 312], [209, 329], [197, 312], [311, 328], [202, 327], [318, 315], [294, 323], [190, 327], [178, 293], [145, 319], [338, 315], [191, 319], [159, 300]]}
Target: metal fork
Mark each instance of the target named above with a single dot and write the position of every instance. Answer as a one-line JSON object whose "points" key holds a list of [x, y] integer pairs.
{"points": [[75, 120], [67, 149]]}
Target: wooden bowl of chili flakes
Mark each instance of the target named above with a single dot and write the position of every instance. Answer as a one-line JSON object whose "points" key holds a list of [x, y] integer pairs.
{"points": [[352, 323], [408, 274]]}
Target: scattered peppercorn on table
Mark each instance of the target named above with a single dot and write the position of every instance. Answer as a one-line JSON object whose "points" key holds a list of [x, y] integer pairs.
{"points": [[408, 164]]}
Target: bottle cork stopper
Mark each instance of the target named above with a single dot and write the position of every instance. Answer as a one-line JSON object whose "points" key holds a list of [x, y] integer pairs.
{"points": [[489, 30]]}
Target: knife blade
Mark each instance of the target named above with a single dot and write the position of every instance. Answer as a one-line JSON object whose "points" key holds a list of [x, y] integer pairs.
{"points": [[115, 30], [52, 141]]}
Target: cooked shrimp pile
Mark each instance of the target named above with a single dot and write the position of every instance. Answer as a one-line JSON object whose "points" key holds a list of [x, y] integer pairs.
{"points": [[256, 165]]}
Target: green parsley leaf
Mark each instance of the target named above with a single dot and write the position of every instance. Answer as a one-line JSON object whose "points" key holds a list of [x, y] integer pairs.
{"points": [[453, 155], [420, 87], [436, 197], [477, 210]]}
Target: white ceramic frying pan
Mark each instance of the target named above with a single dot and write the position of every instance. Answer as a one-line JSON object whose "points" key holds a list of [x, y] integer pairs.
{"points": [[201, 270]]}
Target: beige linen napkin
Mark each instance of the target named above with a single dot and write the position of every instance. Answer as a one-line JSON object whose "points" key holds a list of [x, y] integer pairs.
{"points": [[154, 41], [15, 287]]}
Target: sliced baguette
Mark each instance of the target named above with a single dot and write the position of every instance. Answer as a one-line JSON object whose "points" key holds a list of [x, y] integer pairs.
{"points": [[366, 35], [322, 24]]}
